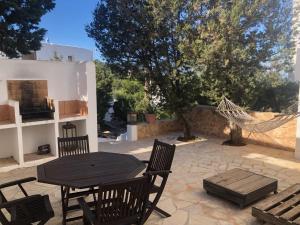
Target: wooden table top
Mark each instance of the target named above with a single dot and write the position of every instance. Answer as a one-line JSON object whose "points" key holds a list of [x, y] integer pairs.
{"points": [[87, 170], [240, 181]]}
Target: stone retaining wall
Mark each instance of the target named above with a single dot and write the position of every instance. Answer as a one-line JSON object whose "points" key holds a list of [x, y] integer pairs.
{"points": [[205, 120], [146, 130]]}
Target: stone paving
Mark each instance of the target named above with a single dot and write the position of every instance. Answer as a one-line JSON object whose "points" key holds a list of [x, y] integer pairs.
{"points": [[184, 196]]}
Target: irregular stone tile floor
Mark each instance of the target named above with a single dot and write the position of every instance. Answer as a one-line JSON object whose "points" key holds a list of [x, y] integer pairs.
{"points": [[184, 196]]}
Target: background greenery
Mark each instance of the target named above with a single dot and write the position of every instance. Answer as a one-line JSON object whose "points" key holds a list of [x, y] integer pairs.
{"points": [[194, 52]]}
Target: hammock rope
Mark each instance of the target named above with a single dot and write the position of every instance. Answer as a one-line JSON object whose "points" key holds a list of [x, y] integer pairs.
{"points": [[241, 118]]}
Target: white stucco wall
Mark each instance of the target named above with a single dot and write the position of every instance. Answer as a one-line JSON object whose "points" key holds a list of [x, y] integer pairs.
{"points": [[66, 80], [48, 51]]}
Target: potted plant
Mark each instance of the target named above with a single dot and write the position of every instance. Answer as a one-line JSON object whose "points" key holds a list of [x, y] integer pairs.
{"points": [[150, 114]]}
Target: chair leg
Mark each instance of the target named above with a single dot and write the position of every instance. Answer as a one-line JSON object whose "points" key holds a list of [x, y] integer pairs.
{"points": [[160, 211], [64, 203], [85, 221], [152, 206], [94, 195]]}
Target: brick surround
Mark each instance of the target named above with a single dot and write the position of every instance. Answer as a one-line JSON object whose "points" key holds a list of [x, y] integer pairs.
{"points": [[28, 92], [72, 108]]}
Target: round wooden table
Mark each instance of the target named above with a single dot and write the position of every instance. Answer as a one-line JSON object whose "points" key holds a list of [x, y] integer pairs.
{"points": [[89, 170]]}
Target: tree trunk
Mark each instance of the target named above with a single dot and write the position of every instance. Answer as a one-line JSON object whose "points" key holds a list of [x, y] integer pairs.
{"points": [[236, 137], [187, 135]]}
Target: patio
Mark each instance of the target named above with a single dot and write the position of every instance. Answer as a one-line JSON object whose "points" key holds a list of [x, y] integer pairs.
{"points": [[184, 196]]}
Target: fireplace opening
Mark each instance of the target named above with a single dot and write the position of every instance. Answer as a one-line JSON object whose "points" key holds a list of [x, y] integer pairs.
{"points": [[33, 100]]}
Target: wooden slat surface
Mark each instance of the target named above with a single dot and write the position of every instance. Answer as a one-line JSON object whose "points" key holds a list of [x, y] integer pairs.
{"points": [[281, 209], [240, 181], [234, 178], [297, 221], [240, 184], [289, 215], [285, 205], [279, 197], [229, 176], [257, 184]]}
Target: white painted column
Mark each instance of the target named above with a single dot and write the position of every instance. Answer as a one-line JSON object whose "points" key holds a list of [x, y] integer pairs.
{"points": [[132, 134], [19, 156], [56, 128], [91, 122]]}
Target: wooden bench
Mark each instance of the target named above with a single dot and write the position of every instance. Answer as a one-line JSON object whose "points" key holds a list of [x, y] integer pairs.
{"points": [[240, 186], [280, 209]]}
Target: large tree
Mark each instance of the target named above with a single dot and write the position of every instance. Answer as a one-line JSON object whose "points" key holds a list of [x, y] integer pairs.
{"points": [[141, 38], [19, 30], [183, 48], [235, 44], [238, 40]]}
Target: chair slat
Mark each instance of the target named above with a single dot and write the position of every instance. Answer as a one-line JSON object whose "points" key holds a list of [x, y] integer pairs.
{"points": [[122, 202], [73, 146]]}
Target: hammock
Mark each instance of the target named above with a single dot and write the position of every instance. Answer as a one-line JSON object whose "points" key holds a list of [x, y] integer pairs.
{"points": [[238, 116]]}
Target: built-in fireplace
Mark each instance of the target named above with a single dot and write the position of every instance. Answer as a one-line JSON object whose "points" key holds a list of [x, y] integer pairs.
{"points": [[33, 99]]}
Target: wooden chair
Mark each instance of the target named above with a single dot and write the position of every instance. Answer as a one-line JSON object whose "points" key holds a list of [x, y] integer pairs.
{"points": [[119, 203], [159, 166], [26, 210], [73, 146], [67, 147]]}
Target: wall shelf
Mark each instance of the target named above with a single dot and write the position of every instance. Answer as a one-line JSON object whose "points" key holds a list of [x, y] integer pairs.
{"points": [[20, 140], [32, 157], [72, 118], [36, 123], [7, 125]]}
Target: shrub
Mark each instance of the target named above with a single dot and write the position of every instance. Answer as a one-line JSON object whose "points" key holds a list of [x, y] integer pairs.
{"points": [[104, 79], [129, 96]]}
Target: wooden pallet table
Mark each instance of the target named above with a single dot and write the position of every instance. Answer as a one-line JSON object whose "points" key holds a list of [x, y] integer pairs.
{"points": [[280, 209], [240, 186]]}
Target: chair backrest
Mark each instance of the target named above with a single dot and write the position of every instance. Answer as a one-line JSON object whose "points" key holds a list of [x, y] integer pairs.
{"points": [[161, 157], [123, 202], [73, 146]]}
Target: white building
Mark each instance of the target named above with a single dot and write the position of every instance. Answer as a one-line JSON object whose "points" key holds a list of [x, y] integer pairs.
{"points": [[64, 53], [68, 88]]}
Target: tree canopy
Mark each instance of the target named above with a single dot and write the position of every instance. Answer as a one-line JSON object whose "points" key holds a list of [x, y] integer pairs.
{"points": [[236, 43], [19, 30], [141, 39], [189, 50]]}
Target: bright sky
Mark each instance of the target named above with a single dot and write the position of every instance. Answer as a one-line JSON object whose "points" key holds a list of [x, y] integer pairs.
{"points": [[66, 22]]}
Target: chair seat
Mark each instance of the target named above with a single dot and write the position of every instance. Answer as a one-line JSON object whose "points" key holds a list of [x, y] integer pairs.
{"points": [[31, 209]]}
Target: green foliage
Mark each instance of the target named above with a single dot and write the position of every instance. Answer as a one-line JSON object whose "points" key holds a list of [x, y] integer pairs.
{"points": [[162, 114], [237, 42], [274, 93], [19, 20], [142, 39], [104, 79], [188, 51], [129, 96]]}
